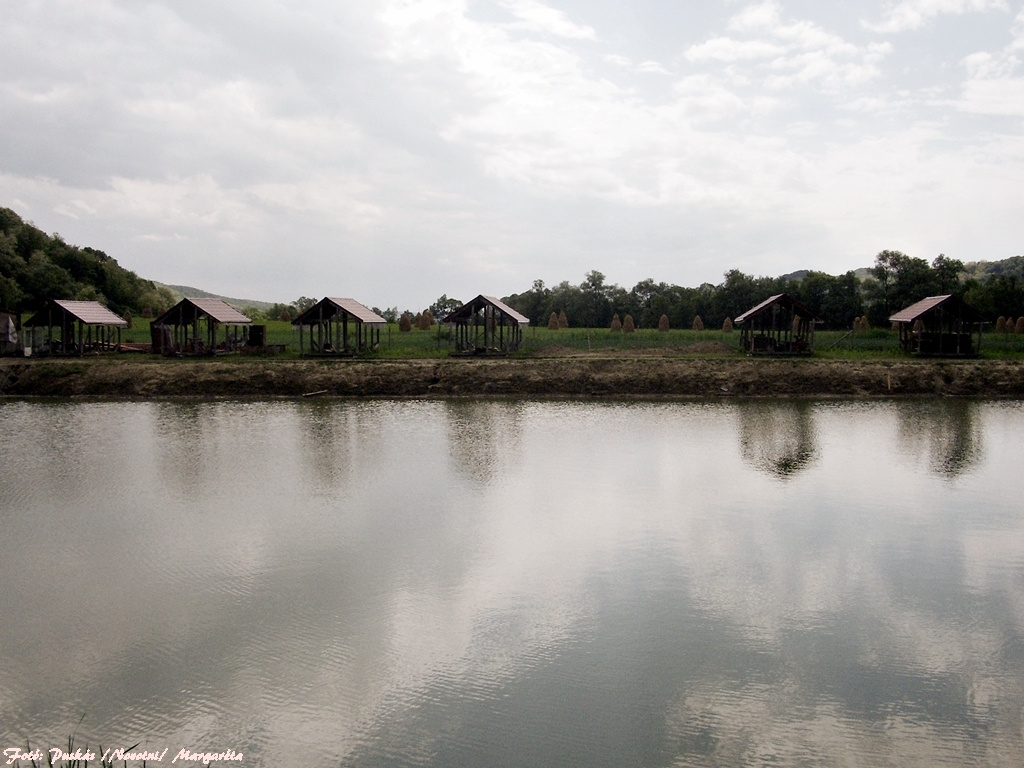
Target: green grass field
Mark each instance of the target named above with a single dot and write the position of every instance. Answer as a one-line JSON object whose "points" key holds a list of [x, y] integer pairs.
{"points": [[875, 343]]}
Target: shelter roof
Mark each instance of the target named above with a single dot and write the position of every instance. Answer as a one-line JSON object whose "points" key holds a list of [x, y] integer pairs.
{"points": [[350, 306], [475, 305], [217, 310], [924, 306], [87, 312], [780, 298]]}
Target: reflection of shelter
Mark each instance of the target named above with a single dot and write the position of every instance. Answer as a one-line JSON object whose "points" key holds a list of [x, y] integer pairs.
{"points": [[10, 332], [339, 327], [939, 325], [190, 328], [478, 432], [780, 325], [76, 327], [943, 432], [486, 325], [778, 438]]}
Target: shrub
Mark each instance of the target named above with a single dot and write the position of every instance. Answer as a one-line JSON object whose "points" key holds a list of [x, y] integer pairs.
{"points": [[627, 324], [563, 321], [663, 323], [405, 324], [553, 322], [727, 325], [616, 325], [698, 324]]}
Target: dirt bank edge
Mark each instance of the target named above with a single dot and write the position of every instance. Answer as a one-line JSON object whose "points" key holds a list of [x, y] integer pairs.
{"points": [[602, 377]]}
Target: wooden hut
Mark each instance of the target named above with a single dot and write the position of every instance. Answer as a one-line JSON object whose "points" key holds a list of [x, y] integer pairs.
{"points": [[75, 328], [779, 325], [485, 326], [10, 332], [339, 327], [940, 326], [191, 327]]}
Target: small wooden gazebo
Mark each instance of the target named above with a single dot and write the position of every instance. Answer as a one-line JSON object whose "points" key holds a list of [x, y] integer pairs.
{"points": [[485, 326], [779, 325], [940, 326], [190, 327], [75, 328], [339, 327]]}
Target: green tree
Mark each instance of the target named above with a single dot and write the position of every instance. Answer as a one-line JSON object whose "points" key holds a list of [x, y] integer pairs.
{"points": [[898, 281], [444, 306]]}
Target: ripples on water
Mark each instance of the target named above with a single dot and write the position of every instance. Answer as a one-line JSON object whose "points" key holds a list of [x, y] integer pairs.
{"points": [[517, 583]]}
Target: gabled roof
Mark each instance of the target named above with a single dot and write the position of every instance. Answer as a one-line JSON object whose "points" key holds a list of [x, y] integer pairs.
{"points": [[350, 306], [924, 306], [216, 309], [779, 298], [475, 305], [87, 312]]}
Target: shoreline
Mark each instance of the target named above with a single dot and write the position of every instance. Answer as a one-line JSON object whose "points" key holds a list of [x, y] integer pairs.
{"points": [[570, 376]]}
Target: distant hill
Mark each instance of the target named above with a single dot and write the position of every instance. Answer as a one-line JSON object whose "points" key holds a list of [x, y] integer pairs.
{"points": [[184, 291], [800, 274], [984, 270]]}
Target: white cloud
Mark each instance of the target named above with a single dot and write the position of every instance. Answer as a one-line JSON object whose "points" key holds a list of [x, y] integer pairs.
{"points": [[913, 14], [535, 16], [789, 53], [992, 87]]}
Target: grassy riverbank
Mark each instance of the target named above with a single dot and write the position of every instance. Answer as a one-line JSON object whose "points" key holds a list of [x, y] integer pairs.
{"points": [[539, 341], [577, 375]]}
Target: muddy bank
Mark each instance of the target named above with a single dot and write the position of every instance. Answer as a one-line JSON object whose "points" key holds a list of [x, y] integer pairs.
{"points": [[574, 376]]}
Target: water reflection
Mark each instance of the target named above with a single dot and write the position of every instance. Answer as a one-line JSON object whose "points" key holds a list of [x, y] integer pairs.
{"points": [[942, 432], [373, 592], [484, 437], [777, 437]]}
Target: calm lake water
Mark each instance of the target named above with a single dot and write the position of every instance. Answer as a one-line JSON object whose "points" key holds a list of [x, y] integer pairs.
{"points": [[516, 583]]}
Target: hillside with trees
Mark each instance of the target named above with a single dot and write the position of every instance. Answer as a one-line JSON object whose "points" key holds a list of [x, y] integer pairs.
{"points": [[35, 266]]}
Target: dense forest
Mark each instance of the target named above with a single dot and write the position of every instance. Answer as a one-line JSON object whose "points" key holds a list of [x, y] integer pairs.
{"points": [[35, 267]]}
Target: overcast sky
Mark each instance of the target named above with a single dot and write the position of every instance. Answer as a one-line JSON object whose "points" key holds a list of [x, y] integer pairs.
{"points": [[395, 150]]}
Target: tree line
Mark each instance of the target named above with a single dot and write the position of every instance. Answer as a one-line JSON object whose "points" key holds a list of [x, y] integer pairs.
{"points": [[895, 281]]}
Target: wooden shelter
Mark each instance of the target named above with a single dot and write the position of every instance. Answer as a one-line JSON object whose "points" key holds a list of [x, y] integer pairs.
{"points": [[485, 326], [76, 328], [10, 332], [339, 327], [779, 325], [941, 326], [191, 327]]}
